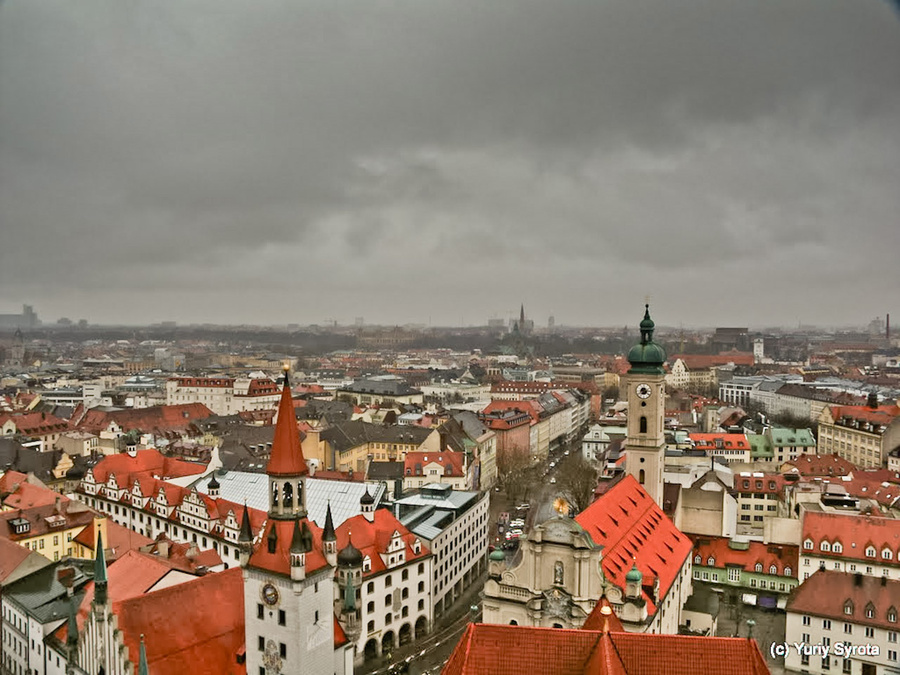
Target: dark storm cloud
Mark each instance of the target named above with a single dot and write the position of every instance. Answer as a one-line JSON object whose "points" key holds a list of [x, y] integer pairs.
{"points": [[210, 160]]}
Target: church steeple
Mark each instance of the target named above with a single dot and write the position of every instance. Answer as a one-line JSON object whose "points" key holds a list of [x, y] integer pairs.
{"points": [[287, 468]]}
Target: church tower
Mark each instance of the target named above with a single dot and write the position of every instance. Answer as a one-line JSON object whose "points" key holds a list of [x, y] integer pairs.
{"points": [[645, 445], [288, 581]]}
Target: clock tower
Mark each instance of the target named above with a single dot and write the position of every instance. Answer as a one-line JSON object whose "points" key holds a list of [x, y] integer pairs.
{"points": [[645, 445]]}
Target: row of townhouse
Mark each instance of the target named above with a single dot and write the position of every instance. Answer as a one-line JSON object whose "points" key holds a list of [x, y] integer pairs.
{"points": [[844, 542], [864, 435]]}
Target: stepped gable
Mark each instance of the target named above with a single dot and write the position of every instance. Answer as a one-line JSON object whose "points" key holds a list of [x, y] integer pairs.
{"points": [[631, 527]]}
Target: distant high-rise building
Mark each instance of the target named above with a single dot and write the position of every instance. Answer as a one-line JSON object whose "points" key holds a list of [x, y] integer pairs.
{"points": [[27, 319]]}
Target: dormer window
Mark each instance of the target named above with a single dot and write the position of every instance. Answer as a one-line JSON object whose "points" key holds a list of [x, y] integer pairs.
{"points": [[773, 569], [417, 547], [837, 548], [886, 554], [870, 611], [848, 607], [870, 551], [808, 544], [892, 615], [697, 560], [758, 567], [825, 546], [710, 561], [787, 571], [367, 564]]}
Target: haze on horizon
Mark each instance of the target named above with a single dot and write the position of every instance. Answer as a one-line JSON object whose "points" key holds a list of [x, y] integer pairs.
{"points": [[228, 162]]}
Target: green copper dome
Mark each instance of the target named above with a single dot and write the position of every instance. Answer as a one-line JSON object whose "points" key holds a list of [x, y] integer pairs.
{"points": [[647, 357], [497, 555], [634, 574]]}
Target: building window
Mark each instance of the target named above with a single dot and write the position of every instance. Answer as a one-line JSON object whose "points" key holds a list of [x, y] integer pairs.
{"points": [[870, 632], [870, 611], [710, 561], [773, 569], [837, 548], [758, 567], [282, 617], [848, 607], [870, 552], [371, 627], [848, 628], [787, 571], [641, 477], [808, 544], [261, 643], [282, 650], [826, 624], [260, 612]]}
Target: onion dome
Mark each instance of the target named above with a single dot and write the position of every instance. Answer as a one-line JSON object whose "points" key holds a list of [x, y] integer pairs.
{"points": [[634, 575], [647, 357], [213, 483], [350, 556], [497, 555], [367, 498]]}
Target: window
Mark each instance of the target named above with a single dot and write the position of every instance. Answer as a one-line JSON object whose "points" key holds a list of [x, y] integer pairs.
{"points": [[787, 571], [870, 551], [387, 619], [282, 650], [870, 632], [848, 607], [371, 627], [825, 546], [808, 544], [371, 587], [870, 611], [261, 643], [806, 620], [260, 612], [641, 478], [387, 600], [758, 567], [892, 615], [773, 569], [847, 667], [848, 628], [710, 561], [886, 554], [826, 624], [837, 548], [405, 575], [697, 559], [282, 617], [892, 636], [370, 608], [734, 574], [387, 581], [643, 424]]}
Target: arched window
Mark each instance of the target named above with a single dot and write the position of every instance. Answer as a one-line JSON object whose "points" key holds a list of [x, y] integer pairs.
{"points": [[288, 496], [870, 611], [558, 573], [641, 476], [758, 567], [697, 559], [787, 571], [274, 494], [710, 561], [773, 569], [513, 622], [892, 615], [643, 423], [848, 607]]}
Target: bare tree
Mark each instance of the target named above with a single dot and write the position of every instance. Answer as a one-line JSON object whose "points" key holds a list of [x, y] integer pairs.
{"points": [[576, 481]]}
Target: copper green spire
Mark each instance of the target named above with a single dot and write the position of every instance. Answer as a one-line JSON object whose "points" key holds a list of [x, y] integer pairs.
{"points": [[100, 578], [143, 668], [647, 357]]}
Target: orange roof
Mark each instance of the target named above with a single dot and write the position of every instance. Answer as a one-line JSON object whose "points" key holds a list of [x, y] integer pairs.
{"points": [[17, 493], [11, 556], [633, 530], [286, 458], [602, 617], [280, 560], [728, 441], [160, 419], [717, 548], [35, 423], [699, 361], [372, 539], [119, 540], [883, 414], [146, 464], [451, 463], [855, 534], [492, 649], [821, 465], [767, 483]]}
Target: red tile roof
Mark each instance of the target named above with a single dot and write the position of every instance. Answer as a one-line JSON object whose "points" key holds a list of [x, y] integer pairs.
{"points": [[827, 592], [118, 540], [489, 649], [11, 556], [728, 441], [767, 483], [286, 458], [35, 423], [883, 414], [372, 539], [633, 529], [700, 361], [161, 419], [280, 560], [17, 493], [821, 465], [602, 618], [451, 463], [145, 464], [767, 555], [855, 533]]}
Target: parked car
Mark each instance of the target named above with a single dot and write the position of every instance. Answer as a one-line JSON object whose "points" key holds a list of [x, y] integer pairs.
{"points": [[553, 480]]}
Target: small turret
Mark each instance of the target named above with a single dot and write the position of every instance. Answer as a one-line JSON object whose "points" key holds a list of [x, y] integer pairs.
{"points": [[367, 506], [329, 538], [212, 488], [245, 538], [633, 581], [272, 539], [301, 544], [349, 578]]}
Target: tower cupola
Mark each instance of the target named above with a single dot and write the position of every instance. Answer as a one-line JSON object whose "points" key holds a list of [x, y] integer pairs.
{"points": [[647, 357]]}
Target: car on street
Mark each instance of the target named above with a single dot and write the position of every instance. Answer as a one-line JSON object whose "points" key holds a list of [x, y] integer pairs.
{"points": [[553, 480]]}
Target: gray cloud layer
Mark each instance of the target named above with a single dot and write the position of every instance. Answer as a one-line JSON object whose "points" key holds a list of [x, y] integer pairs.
{"points": [[229, 161]]}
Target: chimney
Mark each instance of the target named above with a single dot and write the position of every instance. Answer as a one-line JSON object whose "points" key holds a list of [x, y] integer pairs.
{"points": [[872, 400]]}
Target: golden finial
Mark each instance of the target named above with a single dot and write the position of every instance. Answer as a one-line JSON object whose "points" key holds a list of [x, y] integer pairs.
{"points": [[561, 506]]}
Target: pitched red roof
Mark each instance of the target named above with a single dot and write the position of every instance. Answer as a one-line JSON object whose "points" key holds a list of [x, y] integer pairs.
{"points": [[11, 556], [765, 483], [35, 423], [699, 361], [17, 493], [279, 561], [728, 441], [602, 618], [633, 529], [146, 464], [451, 463], [821, 465], [883, 414], [855, 533], [160, 419], [492, 649], [826, 594], [286, 458], [767, 555], [372, 539]]}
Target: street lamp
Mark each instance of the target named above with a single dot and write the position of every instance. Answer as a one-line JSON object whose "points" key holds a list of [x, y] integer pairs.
{"points": [[750, 624]]}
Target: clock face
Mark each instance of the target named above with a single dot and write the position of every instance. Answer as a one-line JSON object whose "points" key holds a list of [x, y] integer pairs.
{"points": [[270, 594], [643, 390]]}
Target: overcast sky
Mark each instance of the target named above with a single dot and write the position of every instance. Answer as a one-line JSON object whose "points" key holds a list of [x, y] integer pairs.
{"points": [[275, 161]]}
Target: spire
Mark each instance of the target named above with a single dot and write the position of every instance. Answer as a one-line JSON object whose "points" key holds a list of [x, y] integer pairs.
{"points": [[246, 535], [328, 533], [522, 314], [143, 668], [298, 540], [100, 578], [272, 539], [287, 457]]}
